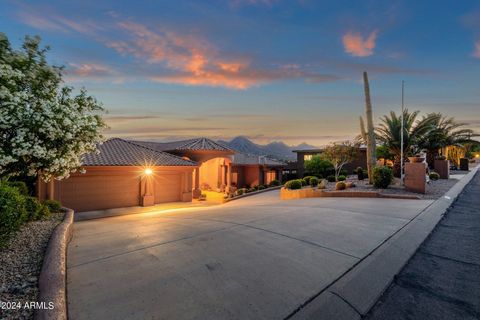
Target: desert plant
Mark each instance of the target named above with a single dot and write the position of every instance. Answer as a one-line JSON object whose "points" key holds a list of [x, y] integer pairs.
{"points": [[274, 183], [313, 181], [52, 205], [303, 182], [331, 179], [33, 207], [389, 132], [434, 176], [261, 187], [319, 166], [368, 134], [340, 185], [43, 212], [20, 186], [307, 179], [322, 184], [341, 178], [339, 154], [294, 184], [359, 172], [382, 177], [12, 211]]}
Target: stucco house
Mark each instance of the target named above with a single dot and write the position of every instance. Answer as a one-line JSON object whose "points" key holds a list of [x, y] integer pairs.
{"points": [[128, 173]]}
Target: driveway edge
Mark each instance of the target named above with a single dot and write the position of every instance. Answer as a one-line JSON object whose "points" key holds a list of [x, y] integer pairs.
{"points": [[52, 281], [357, 291]]}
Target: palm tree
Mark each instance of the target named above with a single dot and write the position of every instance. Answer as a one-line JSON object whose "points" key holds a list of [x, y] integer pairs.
{"points": [[445, 132], [414, 131]]}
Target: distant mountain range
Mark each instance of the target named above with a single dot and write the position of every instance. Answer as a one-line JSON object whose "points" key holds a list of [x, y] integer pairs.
{"points": [[277, 150]]}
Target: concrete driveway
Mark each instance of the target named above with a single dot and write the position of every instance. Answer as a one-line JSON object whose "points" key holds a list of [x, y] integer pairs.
{"points": [[254, 258]]}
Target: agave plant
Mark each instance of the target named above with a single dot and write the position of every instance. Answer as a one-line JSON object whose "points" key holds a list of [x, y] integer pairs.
{"points": [[414, 131], [445, 132]]}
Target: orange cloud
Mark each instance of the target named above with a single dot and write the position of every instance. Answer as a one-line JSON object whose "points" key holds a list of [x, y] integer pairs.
{"points": [[357, 46], [476, 53]]}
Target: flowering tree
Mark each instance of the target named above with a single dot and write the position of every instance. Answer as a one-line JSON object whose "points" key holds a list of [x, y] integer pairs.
{"points": [[339, 154], [44, 129]]}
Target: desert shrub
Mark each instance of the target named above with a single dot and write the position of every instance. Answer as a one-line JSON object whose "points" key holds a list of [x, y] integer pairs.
{"points": [[341, 177], [359, 172], [274, 183], [43, 212], [307, 179], [294, 184], [322, 184], [340, 185], [382, 177], [52, 205], [434, 176], [20, 186], [314, 181], [261, 187], [365, 174], [303, 182], [344, 172], [33, 207], [12, 211], [319, 167], [240, 192], [331, 178]]}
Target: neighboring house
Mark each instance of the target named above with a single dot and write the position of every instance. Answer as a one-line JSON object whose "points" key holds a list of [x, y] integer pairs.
{"points": [[139, 173], [304, 155], [252, 170]]}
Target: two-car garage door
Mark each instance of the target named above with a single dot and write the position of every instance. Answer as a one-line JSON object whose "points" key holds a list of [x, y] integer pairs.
{"points": [[97, 192], [104, 191]]}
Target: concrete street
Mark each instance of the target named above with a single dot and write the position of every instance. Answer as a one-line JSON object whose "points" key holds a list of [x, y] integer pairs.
{"points": [[442, 280], [254, 258]]}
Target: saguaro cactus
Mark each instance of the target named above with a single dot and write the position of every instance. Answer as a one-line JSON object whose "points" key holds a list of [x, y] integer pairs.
{"points": [[368, 134]]}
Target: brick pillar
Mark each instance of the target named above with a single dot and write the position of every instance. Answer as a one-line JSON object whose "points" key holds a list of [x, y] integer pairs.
{"points": [[415, 176], [442, 167], [196, 190]]}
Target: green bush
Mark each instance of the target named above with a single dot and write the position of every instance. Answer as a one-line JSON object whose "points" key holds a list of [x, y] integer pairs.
{"points": [[12, 211], [331, 178], [52, 205], [382, 177], [313, 181], [344, 172], [33, 207], [365, 174], [303, 182], [294, 184], [20, 186], [359, 172], [342, 178], [307, 179], [44, 212], [274, 183], [434, 176], [261, 187], [340, 185]]}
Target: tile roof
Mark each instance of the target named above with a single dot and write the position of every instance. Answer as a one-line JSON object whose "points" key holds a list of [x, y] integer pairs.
{"points": [[191, 144], [119, 152], [246, 159]]}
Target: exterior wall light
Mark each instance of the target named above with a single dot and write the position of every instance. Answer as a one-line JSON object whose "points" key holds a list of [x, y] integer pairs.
{"points": [[148, 171]]}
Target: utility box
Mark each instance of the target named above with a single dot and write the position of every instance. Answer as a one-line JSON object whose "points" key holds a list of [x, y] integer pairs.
{"points": [[442, 167], [416, 177], [464, 164]]}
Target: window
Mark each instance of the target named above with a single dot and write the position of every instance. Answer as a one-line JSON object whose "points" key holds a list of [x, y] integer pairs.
{"points": [[307, 157]]}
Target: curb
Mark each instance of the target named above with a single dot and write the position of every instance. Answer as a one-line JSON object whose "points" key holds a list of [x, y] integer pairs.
{"points": [[354, 293], [253, 193], [52, 281]]}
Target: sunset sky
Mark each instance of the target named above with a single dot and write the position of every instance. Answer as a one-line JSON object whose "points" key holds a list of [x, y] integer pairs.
{"points": [[269, 70]]}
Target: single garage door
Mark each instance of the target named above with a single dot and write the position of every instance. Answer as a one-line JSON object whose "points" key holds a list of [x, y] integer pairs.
{"points": [[168, 187], [86, 193]]}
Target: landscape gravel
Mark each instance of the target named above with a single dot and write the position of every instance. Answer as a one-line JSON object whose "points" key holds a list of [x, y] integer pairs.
{"points": [[20, 264], [434, 190]]}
